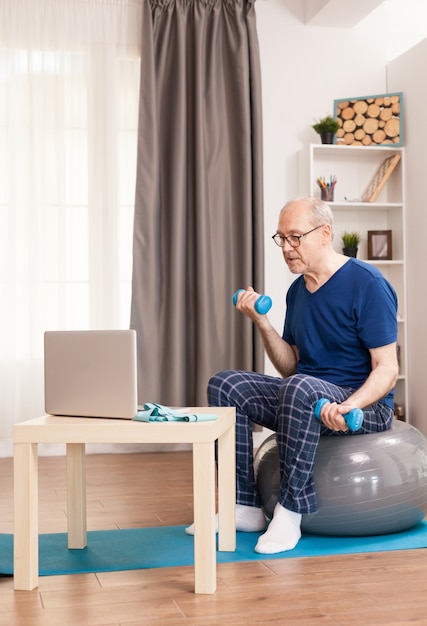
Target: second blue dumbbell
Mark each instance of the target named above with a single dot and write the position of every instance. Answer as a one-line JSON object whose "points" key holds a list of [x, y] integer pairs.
{"points": [[353, 419], [262, 304]]}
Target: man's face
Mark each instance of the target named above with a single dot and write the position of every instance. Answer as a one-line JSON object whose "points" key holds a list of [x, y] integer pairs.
{"points": [[296, 220]]}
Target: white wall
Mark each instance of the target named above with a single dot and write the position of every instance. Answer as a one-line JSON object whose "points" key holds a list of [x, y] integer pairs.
{"points": [[407, 73], [405, 28], [304, 68]]}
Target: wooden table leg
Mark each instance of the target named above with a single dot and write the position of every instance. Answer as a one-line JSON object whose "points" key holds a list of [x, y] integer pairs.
{"points": [[204, 517], [227, 491], [76, 495], [26, 537]]}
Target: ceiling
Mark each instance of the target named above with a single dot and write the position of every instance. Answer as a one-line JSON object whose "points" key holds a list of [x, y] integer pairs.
{"points": [[337, 13]]}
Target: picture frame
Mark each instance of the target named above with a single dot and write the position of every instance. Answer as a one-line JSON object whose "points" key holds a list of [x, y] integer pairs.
{"points": [[375, 120], [380, 245]]}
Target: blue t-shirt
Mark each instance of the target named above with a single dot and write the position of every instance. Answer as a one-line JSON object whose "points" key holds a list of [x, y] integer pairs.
{"points": [[334, 327]]}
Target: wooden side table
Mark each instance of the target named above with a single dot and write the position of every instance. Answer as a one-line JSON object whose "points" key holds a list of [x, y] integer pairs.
{"points": [[75, 432]]}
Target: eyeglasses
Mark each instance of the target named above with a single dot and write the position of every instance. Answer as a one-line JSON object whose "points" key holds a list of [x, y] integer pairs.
{"points": [[292, 240]]}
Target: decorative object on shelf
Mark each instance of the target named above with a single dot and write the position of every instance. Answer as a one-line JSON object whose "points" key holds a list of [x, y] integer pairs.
{"points": [[350, 242], [370, 120], [327, 189], [399, 412], [382, 175], [326, 127], [379, 245]]}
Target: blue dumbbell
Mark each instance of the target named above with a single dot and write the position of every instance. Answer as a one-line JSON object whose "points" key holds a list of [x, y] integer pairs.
{"points": [[262, 304], [353, 419]]}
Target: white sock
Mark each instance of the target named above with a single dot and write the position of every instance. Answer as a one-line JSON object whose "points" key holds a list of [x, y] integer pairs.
{"points": [[249, 519], [283, 532]]}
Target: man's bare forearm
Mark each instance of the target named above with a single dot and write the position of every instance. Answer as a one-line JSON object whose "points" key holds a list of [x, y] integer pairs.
{"points": [[280, 353]]}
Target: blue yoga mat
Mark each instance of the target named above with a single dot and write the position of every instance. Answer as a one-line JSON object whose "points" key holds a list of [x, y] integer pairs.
{"points": [[168, 546]]}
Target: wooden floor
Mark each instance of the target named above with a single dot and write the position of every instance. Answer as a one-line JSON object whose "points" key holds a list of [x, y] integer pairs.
{"points": [[135, 490]]}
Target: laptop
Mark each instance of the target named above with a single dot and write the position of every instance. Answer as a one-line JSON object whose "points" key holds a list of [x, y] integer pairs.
{"points": [[91, 373]]}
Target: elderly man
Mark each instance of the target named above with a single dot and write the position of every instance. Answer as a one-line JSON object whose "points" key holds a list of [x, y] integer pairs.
{"points": [[338, 342]]}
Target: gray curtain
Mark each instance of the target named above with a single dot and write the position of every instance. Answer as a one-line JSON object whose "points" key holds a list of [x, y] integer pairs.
{"points": [[198, 232]]}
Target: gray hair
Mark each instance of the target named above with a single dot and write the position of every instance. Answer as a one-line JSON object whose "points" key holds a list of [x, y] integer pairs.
{"points": [[321, 212]]}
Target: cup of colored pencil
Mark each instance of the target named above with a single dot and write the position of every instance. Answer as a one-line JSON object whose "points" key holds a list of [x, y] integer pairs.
{"points": [[327, 188]]}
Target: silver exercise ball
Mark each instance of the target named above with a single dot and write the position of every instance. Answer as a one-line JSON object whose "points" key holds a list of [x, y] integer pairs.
{"points": [[365, 484]]}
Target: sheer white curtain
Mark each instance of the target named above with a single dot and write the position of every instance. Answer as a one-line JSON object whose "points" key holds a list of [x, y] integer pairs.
{"points": [[69, 91]]}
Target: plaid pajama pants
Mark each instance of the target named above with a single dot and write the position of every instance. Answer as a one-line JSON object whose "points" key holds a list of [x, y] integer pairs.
{"points": [[285, 406]]}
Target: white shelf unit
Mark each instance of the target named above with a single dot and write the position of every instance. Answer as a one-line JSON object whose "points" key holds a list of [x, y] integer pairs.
{"points": [[355, 168]]}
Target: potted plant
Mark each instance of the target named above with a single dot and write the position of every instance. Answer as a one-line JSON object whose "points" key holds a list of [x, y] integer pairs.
{"points": [[350, 241], [326, 127]]}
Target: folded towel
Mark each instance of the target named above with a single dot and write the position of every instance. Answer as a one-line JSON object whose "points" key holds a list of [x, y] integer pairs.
{"points": [[157, 413]]}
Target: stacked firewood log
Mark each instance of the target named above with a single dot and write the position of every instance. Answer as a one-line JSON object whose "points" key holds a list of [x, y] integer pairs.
{"points": [[370, 121]]}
